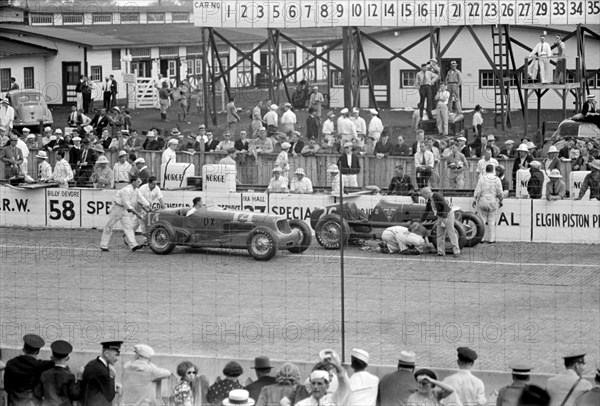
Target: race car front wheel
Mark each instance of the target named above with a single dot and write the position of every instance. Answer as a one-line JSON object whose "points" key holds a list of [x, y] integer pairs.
{"points": [[306, 236], [474, 228], [330, 233], [162, 239], [262, 243]]}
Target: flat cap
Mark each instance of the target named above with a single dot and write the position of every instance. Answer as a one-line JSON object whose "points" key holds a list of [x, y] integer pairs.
{"points": [[143, 350], [466, 354]]}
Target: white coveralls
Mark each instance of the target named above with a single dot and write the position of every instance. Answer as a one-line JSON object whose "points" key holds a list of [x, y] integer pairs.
{"points": [[398, 238], [124, 200]]}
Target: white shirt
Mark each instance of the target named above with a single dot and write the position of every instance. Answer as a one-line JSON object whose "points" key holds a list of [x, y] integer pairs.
{"points": [[126, 197], [44, 171], [469, 389], [346, 126], [443, 97], [477, 119], [225, 145], [483, 163], [271, 118], [23, 147], [375, 127], [331, 399], [301, 186], [405, 237], [289, 117], [169, 155], [121, 171], [328, 127], [63, 172], [360, 124], [283, 161], [146, 196], [363, 389], [7, 116], [541, 49]]}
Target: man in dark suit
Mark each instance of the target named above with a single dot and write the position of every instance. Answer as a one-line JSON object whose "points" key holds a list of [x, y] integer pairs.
{"points": [[296, 143], [86, 163], [98, 382], [58, 386], [436, 204], [262, 366], [349, 166], [100, 121], [395, 388], [22, 373], [211, 144], [113, 92], [401, 183]]}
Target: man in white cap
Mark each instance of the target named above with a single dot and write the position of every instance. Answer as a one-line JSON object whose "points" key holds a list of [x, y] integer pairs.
{"points": [[140, 377], [277, 184], [535, 184], [121, 171], [7, 114], [491, 142], [316, 101], [345, 127], [453, 83], [44, 168], [395, 388], [272, 120], [556, 188], [521, 161], [301, 184], [540, 61], [329, 128], [552, 162], [565, 388], [288, 119], [169, 156], [319, 383], [103, 177], [375, 125], [508, 152], [349, 166], [359, 122], [363, 385], [142, 170]]}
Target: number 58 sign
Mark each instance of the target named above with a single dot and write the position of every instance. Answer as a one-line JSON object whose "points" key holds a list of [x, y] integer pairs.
{"points": [[63, 208]]}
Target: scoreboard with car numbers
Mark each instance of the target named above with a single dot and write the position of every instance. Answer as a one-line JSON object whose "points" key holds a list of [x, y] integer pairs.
{"points": [[392, 13]]}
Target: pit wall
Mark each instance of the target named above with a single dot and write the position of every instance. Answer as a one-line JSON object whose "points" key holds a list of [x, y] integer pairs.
{"points": [[519, 220], [212, 367]]}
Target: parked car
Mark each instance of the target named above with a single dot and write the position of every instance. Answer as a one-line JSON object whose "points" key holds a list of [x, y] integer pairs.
{"points": [[357, 225], [30, 107], [575, 129], [212, 227]]}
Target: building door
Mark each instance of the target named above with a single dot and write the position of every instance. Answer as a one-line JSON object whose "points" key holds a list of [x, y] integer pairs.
{"points": [[71, 72], [379, 71], [141, 69], [169, 69]]}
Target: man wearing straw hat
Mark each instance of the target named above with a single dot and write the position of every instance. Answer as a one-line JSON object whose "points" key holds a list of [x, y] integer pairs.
{"points": [[238, 397], [300, 183], [556, 188], [44, 168], [169, 156]]}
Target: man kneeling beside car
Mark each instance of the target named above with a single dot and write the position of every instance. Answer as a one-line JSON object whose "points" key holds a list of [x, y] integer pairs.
{"points": [[405, 240]]}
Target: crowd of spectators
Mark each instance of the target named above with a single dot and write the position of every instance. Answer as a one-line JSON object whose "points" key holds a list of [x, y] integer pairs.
{"points": [[31, 381]]}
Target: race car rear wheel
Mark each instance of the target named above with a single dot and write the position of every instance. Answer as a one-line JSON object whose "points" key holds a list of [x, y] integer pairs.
{"points": [[306, 234], [262, 243], [162, 239], [330, 234], [460, 233], [474, 228]]}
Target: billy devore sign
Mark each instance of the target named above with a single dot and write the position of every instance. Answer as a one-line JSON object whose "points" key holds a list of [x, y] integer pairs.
{"points": [[392, 13]]}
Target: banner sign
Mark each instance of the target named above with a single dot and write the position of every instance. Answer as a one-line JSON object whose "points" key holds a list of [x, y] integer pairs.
{"points": [[566, 221], [575, 181], [22, 207], [392, 13]]}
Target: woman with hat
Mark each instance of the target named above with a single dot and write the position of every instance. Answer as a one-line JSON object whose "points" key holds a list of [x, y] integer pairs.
{"points": [[44, 168], [287, 378], [552, 162], [102, 178], [219, 390], [521, 162], [591, 181], [430, 391]]}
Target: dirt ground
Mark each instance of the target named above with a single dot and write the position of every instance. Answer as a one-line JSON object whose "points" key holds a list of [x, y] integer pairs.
{"points": [[532, 302]]}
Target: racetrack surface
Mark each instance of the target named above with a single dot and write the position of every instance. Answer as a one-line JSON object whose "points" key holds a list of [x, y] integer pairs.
{"points": [[531, 302]]}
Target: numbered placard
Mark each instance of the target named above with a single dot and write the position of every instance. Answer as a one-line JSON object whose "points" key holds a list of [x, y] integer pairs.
{"points": [[63, 208], [392, 13]]}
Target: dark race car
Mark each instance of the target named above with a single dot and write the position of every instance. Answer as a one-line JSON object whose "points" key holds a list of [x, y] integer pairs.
{"points": [[357, 225], [261, 234]]}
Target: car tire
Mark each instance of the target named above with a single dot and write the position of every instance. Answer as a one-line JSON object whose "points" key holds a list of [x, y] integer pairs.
{"points": [[474, 228], [306, 236], [262, 243], [329, 234], [161, 239], [460, 233]]}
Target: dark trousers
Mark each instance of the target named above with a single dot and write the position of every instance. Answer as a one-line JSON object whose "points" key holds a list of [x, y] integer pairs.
{"points": [[87, 99], [425, 95], [107, 97], [423, 176]]}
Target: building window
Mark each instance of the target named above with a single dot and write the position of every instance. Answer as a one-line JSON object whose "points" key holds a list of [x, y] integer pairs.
{"points": [[337, 79], [72, 18], [181, 17], [130, 17], [244, 73], [156, 17], [194, 66], [594, 81], [37, 18], [28, 79], [408, 78], [101, 18], [168, 51], [140, 52], [116, 59], [96, 73], [4, 80], [487, 80]]}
